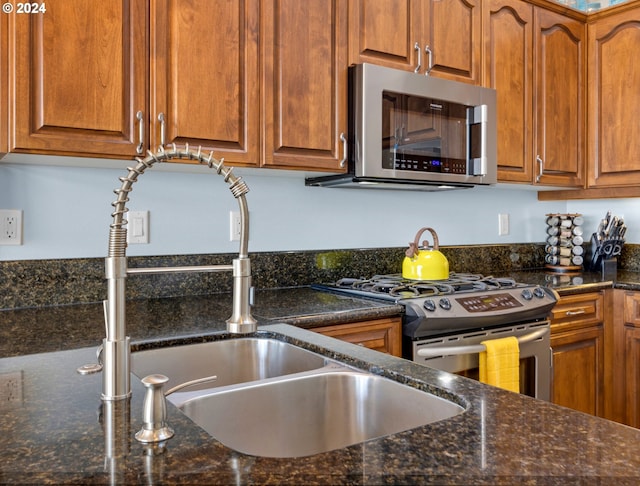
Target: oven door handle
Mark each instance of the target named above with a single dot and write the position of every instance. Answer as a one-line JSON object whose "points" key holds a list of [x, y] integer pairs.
{"points": [[475, 348]]}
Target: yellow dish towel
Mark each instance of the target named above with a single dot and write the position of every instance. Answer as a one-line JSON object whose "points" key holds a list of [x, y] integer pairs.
{"points": [[500, 363]]}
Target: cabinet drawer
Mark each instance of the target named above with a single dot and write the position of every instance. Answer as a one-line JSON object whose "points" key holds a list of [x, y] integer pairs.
{"points": [[384, 335], [577, 311]]}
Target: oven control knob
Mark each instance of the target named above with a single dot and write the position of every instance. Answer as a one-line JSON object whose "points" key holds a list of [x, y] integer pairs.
{"points": [[445, 303], [527, 294], [539, 293], [429, 305]]}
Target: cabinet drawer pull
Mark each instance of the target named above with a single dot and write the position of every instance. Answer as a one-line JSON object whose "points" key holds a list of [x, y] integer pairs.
{"points": [[540, 167], [140, 118], [575, 312], [429, 52], [416, 47], [162, 129], [344, 149]]}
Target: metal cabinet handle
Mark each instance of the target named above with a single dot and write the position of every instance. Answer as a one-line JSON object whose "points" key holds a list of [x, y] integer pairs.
{"points": [[140, 118], [429, 52], [162, 129], [344, 149], [575, 312], [540, 167], [416, 47], [476, 348]]}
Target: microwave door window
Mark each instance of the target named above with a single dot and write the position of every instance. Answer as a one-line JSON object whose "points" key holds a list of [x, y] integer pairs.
{"points": [[423, 134], [456, 146]]}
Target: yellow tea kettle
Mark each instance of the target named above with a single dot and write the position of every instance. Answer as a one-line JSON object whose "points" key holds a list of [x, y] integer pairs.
{"points": [[425, 263]]}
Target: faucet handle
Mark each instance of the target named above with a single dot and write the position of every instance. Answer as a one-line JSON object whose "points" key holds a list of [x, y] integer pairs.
{"points": [[154, 411]]}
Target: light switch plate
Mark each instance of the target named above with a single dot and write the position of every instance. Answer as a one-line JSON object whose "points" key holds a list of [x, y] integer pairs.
{"points": [[138, 227], [503, 224]]}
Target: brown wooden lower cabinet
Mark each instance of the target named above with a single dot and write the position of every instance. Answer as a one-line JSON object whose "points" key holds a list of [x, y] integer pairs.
{"points": [[624, 361], [383, 335], [577, 375], [578, 343]]}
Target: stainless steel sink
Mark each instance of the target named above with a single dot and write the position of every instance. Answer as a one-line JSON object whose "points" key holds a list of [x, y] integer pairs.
{"points": [[233, 361], [314, 412]]}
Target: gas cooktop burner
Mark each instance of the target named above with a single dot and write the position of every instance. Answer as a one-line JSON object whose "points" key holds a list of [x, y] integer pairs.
{"points": [[465, 301], [396, 286]]}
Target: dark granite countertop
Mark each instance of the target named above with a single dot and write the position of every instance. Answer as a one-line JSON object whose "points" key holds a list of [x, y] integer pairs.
{"points": [[59, 431], [45, 329], [56, 328], [580, 282]]}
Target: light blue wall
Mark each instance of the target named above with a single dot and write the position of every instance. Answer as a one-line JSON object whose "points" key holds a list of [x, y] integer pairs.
{"points": [[67, 211]]}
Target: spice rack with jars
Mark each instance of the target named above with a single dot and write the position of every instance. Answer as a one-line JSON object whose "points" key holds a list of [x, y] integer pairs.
{"points": [[564, 251]]}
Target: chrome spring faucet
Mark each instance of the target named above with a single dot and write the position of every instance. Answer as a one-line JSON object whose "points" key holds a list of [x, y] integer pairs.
{"points": [[116, 348]]}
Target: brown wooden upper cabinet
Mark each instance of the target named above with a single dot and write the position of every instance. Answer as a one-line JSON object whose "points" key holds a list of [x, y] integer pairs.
{"points": [[535, 59], [304, 50], [443, 38], [88, 82], [78, 78], [560, 109], [614, 100], [204, 72], [508, 41]]}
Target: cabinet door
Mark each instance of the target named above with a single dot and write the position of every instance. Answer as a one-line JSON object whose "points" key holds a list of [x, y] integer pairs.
{"points": [[372, 40], [397, 33], [204, 76], [578, 369], [632, 376], [304, 46], [456, 50], [79, 78], [625, 365], [508, 68], [614, 100], [560, 75], [578, 343]]}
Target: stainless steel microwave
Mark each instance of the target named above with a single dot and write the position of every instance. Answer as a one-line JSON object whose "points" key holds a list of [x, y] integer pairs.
{"points": [[410, 131]]}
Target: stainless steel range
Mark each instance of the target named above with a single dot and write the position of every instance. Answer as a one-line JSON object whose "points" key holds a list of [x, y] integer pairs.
{"points": [[446, 320]]}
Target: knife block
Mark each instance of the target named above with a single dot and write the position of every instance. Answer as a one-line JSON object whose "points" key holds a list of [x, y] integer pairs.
{"points": [[609, 268]]}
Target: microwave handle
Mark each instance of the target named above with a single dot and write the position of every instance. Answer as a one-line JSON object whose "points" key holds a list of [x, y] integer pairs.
{"points": [[477, 115], [475, 348]]}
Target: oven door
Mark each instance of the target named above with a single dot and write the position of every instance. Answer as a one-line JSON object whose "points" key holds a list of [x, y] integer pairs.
{"points": [[459, 353]]}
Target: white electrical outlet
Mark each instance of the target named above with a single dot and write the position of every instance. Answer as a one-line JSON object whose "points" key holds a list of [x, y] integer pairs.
{"points": [[503, 224], [235, 225], [10, 227], [10, 388]]}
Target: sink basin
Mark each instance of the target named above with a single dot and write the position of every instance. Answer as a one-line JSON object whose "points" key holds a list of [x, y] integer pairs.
{"points": [[314, 412], [233, 361]]}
